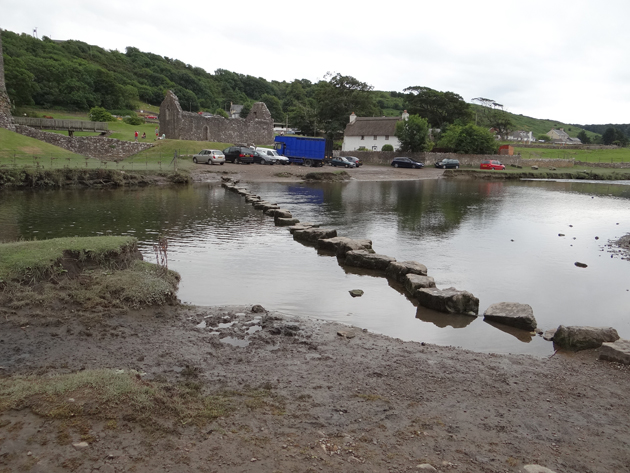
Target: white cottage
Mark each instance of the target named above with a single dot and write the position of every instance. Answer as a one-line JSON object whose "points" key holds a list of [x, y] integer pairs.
{"points": [[371, 133]]}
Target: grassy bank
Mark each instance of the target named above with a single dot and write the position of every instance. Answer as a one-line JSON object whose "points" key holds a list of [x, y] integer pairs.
{"points": [[91, 272], [581, 173]]}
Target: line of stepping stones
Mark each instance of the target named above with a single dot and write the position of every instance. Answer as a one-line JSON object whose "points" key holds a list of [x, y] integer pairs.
{"points": [[413, 276]]}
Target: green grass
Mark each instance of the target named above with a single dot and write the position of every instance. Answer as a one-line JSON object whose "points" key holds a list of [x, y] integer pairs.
{"points": [[620, 155], [28, 259]]}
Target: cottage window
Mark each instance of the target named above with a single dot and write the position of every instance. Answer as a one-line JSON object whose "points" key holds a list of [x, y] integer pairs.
{"points": [[362, 137], [387, 137], [375, 137]]}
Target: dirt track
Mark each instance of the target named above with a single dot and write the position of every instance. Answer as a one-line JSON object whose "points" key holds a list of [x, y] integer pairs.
{"points": [[292, 173]]}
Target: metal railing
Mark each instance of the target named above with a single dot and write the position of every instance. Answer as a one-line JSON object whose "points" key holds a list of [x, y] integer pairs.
{"points": [[55, 124]]}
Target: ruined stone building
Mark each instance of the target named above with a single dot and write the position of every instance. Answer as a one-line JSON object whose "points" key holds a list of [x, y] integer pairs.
{"points": [[6, 119], [176, 124]]}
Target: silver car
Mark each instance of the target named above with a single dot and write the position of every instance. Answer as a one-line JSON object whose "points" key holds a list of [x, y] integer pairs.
{"points": [[210, 156], [273, 153]]}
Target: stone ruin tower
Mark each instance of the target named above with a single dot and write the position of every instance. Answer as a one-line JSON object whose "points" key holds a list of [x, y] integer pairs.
{"points": [[6, 119]]}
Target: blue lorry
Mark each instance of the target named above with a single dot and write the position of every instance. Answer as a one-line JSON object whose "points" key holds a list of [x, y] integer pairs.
{"points": [[304, 150]]}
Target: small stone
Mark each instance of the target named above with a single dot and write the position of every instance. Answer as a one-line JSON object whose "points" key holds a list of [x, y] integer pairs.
{"points": [[581, 265], [258, 309], [560, 234], [426, 467], [356, 292], [536, 469], [80, 445]]}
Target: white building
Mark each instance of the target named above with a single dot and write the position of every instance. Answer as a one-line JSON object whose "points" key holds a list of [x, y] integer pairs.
{"points": [[371, 133]]}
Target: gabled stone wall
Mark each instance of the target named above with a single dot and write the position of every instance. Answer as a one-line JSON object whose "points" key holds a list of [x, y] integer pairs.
{"points": [[176, 124]]}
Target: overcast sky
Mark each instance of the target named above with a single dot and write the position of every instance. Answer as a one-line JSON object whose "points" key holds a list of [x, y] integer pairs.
{"points": [[562, 60]]}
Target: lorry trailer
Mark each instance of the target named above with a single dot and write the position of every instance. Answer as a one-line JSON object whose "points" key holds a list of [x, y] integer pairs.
{"points": [[304, 150]]}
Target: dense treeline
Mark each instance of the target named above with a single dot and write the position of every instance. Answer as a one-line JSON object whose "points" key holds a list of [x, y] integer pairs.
{"points": [[601, 129]]}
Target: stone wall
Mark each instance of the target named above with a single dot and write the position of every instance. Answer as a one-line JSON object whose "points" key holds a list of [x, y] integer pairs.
{"points": [[6, 120], [92, 146], [429, 159], [176, 124], [567, 147]]}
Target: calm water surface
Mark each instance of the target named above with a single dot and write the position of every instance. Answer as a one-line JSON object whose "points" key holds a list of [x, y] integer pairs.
{"points": [[497, 240]]}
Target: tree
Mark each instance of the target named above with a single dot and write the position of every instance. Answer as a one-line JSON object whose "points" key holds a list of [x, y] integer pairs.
{"points": [[492, 115], [247, 107], [437, 107], [583, 137], [99, 114], [337, 98], [413, 134], [544, 138], [275, 107], [614, 136], [469, 139]]}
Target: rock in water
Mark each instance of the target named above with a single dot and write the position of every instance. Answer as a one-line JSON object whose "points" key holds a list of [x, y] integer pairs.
{"points": [[512, 314]]}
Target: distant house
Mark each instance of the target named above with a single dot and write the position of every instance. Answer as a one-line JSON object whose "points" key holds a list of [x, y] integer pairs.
{"points": [[520, 136], [561, 136], [235, 111], [371, 133]]}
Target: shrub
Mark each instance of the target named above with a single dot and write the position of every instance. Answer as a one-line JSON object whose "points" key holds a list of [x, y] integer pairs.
{"points": [[543, 138], [222, 113], [99, 114], [387, 148], [133, 120]]}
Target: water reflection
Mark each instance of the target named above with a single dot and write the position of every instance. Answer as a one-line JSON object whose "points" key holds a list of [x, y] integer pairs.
{"points": [[497, 240]]}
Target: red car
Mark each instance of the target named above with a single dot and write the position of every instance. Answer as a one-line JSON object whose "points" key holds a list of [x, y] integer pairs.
{"points": [[492, 164]]}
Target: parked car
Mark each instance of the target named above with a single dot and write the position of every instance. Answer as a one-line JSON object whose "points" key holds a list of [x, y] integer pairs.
{"points": [[239, 154], [448, 164], [263, 158], [492, 164], [341, 161], [272, 152], [210, 156], [403, 162], [354, 160]]}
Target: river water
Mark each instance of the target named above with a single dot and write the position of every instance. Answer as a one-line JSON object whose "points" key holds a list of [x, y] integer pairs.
{"points": [[498, 240]]}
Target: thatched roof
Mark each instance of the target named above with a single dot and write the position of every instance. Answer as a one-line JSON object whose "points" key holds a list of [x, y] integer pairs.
{"points": [[375, 126]]}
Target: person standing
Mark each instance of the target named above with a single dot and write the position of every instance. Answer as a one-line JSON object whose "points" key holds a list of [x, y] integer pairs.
{"points": [[136, 135], [157, 132]]}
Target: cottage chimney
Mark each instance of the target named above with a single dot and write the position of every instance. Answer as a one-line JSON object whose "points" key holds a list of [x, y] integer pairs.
{"points": [[405, 115], [353, 118]]}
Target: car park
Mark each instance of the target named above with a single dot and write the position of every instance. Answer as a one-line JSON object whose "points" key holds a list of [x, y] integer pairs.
{"points": [[354, 160], [272, 152], [448, 164], [263, 158], [239, 154], [492, 164], [209, 156], [403, 162], [343, 162]]}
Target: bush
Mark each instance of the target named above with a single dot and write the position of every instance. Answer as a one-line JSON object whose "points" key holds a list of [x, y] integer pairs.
{"points": [[133, 120], [99, 114], [543, 138], [387, 148], [222, 113], [469, 139]]}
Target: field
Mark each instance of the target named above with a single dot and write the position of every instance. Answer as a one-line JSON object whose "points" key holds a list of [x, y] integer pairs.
{"points": [[620, 155]]}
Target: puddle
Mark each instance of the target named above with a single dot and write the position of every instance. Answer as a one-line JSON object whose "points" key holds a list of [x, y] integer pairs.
{"points": [[202, 324], [237, 342], [226, 325], [254, 329], [214, 333]]}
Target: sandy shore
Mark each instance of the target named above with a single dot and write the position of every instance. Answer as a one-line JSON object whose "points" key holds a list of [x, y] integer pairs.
{"points": [[330, 397]]}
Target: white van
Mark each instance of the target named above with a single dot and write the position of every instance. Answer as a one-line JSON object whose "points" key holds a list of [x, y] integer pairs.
{"points": [[274, 153]]}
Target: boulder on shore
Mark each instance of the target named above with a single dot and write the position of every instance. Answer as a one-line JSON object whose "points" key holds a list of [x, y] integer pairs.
{"points": [[397, 270], [618, 352], [367, 260], [413, 282], [277, 212], [512, 314], [341, 245], [583, 338], [448, 300], [313, 234]]}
